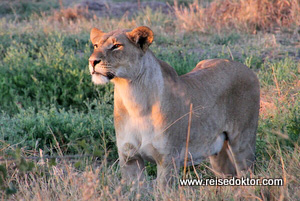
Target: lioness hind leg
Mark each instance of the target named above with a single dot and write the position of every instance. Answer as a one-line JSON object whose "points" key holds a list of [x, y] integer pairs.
{"points": [[222, 163], [243, 150], [236, 155]]}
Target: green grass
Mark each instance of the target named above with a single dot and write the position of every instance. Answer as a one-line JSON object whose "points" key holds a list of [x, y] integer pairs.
{"points": [[39, 71], [22, 9], [47, 102]]}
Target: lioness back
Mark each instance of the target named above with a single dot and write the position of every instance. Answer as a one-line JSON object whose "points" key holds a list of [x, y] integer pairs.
{"points": [[222, 76]]}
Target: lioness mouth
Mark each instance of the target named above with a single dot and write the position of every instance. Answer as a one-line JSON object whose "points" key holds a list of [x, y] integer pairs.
{"points": [[108, 75]]}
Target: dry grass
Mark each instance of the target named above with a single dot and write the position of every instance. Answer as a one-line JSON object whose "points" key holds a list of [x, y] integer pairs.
{"points": [[243, 15], [71, 14], [103, 183]]}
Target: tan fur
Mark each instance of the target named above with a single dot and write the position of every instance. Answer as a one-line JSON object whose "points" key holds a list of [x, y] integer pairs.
{"points": [[151, 107]]}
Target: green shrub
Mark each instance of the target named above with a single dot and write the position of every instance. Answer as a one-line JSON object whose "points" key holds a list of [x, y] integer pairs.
{"points": [[43, 71], [76, 132], [22, 9]]}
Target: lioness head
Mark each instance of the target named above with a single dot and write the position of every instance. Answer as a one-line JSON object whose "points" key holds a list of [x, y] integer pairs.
{"points": [[117, 53]]}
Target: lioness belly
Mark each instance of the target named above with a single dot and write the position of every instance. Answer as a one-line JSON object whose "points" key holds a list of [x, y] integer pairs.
{"points": [[198, 152]]}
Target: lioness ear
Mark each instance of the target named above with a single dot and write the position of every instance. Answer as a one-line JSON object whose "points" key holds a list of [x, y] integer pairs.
{"points": [[95, 34], [141, 36]]}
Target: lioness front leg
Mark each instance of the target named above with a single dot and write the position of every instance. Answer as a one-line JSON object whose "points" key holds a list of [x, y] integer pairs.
{"points": [[132, 168], [166, 173]]}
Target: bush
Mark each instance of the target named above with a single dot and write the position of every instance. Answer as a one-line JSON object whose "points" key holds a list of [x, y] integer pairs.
{"points": [[39, 71], [76, 132]]}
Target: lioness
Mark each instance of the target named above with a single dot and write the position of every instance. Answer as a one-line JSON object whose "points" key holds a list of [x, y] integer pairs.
{"points": [[152, 103]]}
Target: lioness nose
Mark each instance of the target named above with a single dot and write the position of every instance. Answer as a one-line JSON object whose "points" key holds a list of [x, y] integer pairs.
{"points": [[94, 62]]}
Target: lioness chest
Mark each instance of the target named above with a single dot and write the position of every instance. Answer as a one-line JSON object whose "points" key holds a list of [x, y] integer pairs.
{"points": [[141, 135]]}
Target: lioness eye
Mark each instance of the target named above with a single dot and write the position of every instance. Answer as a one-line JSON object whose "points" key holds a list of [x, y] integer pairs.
{"points": [[116, 46], [95, 46]]}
